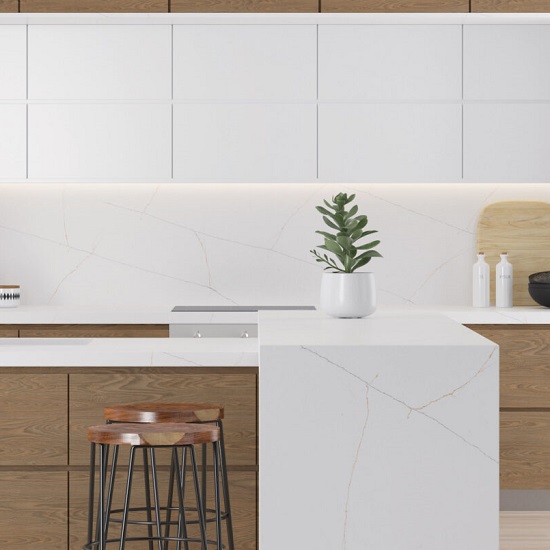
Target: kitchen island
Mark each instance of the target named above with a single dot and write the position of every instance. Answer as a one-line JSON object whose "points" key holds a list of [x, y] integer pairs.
{"points": [[376, 433]]}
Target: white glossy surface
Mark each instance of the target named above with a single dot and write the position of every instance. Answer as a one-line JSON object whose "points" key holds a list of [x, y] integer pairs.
{"points": [[13, 55], [94, 141], [252, 142], [507, 63], [100, 62], [252, 62], [403, 62], [348, 295], [13, 135], [507, 142], [390, 142], [397, 416]]}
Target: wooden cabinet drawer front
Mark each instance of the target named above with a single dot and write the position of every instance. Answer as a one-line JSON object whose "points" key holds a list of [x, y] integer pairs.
{"points": [[94, 6], [399, 6], [524, 364], [7, 331], [9, 6], [90, 393], [524, 450], [94, 331], [234, 6], [243, 507], [33, 409], [33, 510], [505, 6]]}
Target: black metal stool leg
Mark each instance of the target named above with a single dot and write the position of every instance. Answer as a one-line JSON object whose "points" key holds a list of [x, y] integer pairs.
{"points": [[217, 499], [200, 505], [101, 508], [110, 490], [127, 498], [148, 497], [156, 496], [170, 499], [182, 521], [225, 488], [204, 475], [91, 495]]}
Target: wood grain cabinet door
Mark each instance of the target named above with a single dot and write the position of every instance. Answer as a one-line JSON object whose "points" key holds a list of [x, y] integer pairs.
{"points": [[92, 331], [7, 6], [33, 510], [90, 393], [33, 409], [94, 6], [507, 6], [235, 6], [399, 6]]}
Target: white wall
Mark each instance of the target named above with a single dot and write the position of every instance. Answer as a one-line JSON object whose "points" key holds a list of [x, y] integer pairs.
{"points": [[218, 244]]}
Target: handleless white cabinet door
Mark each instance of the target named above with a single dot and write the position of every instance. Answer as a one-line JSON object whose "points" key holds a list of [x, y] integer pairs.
{"points": [[390, 62], [390, 143], [245, 62], [13, 146], [254, 142], [13, 62], [100, 141], [507, 142], [121, 62], [507, 62]]}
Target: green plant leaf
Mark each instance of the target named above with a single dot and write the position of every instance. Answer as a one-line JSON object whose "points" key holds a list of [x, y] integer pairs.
{"points": [[330, 224], [352, 212], [368, 246], [334, 247], [361, 263], [369, 254], [327, 235]]}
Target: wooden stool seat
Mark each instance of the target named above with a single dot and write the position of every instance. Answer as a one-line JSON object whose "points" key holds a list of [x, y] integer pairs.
{"points": [[164, 412], [153, 435]]}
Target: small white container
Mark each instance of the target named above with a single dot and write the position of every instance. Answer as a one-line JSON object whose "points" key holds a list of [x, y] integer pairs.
{"points": [[504, 282], [348, 295], [9, 295], [480, 282]]}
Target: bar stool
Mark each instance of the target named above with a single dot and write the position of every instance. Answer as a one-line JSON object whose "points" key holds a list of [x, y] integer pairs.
{"points": [[196, 413], [150, 437]]}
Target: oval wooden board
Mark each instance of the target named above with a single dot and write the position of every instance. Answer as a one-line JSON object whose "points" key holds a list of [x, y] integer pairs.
{"points": [[521, 228]]}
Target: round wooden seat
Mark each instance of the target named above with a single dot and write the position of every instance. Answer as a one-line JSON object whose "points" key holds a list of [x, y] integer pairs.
{"points": [[164, 412], [153, 435]]}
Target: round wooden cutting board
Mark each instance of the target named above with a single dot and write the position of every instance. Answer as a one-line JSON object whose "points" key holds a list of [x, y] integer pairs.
{"points": [[521, 228]]}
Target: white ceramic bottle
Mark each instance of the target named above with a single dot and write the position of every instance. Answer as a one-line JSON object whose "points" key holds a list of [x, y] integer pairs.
{"points": [[480, 282], [504, 281]]}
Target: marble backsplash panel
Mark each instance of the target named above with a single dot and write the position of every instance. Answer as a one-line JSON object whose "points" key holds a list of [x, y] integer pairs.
{"points": [[82, 244]]}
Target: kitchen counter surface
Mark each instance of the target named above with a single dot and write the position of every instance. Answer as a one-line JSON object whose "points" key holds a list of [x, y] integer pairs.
{"points": [[163, 315], [128, 352]]}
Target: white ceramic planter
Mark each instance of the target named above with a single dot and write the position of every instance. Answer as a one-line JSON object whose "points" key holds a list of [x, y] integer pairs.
{"points": [[348, 295]]}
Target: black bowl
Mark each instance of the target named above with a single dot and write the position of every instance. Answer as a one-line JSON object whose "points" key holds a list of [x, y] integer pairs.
{"points": [[540, 293], [540, 277]]}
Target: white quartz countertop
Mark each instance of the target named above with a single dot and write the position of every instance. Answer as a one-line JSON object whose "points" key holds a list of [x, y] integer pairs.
{"points": [[128, 352], [162, 315]]}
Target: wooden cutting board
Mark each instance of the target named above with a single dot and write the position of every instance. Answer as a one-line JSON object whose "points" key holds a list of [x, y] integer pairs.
{"points": [[521, 228]]}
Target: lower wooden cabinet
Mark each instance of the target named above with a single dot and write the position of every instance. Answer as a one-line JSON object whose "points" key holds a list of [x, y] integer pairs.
{"points": [[94, 6], [7, 6], [92, 331], [235, 6], [33, 510], [399, 6], [524, 403], [8, 331], [507, 6]]}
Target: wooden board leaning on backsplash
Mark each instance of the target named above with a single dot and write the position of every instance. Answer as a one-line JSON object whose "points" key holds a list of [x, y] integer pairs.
{"points": [[521, 228]]}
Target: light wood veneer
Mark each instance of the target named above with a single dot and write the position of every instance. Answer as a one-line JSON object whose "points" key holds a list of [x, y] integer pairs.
{"points": [[93, 6], [510, 6], [399, 6]]}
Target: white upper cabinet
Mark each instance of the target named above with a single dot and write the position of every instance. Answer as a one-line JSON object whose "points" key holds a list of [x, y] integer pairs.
{"points": [[245, 142], [507, 62], [13, 62], [390, 62], [13, 136], [507, 142], [390, 143], [97, 62], [100, 141], [245, 62]]}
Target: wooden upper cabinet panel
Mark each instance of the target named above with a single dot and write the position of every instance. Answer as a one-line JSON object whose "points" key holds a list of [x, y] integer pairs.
{"points": [[94, 6], [524, 450], [240, 6], [507, 6], [9, 6], [245, 62], [119, 62], [524, 364], [33, 510], [33, 409], [390, 62], [94, 331], [13, 61], [90, 393], [507, 62], [398, 6]]}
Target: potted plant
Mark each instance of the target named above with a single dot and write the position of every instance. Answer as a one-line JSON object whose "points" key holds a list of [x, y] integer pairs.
{"points": [[345, 292]]}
